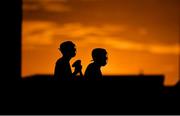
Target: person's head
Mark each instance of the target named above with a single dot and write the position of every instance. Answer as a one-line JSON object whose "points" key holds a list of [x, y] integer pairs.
{"points": [[99, 56], [68, 49]]}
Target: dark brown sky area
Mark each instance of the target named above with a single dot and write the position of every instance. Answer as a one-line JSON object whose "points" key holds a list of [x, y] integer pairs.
{"points": [[139, 35]]}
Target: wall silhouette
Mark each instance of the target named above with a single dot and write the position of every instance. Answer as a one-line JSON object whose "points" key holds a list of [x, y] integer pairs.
{"points": [[136, 85]]}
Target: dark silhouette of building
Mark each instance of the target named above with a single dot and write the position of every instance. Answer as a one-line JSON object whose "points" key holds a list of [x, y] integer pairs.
{"points": [[38, 77], [125, 84], [11, 41]]}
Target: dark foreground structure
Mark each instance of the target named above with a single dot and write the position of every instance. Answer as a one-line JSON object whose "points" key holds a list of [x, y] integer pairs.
{"points": [[124, 94], [136, 85]]}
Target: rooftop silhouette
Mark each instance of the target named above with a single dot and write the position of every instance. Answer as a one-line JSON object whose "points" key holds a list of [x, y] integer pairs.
{"points": [[126, 84]]}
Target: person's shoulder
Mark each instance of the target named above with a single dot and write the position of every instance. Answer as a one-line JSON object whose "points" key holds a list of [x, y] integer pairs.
{"points": [[59, 61], [90, 65]]}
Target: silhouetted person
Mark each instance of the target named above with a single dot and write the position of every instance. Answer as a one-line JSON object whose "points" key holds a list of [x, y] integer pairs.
{"points": [[93, 71], [63, 68]]}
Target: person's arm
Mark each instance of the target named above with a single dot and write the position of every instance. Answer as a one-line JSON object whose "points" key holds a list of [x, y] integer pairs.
{"points": [[74, 74], [78, 68], [76, 71]]}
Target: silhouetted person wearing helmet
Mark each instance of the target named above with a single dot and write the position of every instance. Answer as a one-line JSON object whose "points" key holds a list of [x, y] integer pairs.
{"points": [[93, 71], [62, 67]]}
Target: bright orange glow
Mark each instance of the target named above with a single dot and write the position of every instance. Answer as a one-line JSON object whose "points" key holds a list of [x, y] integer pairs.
{"points": [[132, 48]]}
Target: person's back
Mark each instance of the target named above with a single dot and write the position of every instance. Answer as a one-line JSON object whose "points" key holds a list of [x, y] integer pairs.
{"points": [[62, 70], [93, 72]]}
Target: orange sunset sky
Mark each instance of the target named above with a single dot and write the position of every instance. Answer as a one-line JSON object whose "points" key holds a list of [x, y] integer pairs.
{"points": [[139, 35]]}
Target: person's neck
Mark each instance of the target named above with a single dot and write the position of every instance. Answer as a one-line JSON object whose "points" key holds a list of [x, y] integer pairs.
{"points": [[98, 65], [66, 58]]}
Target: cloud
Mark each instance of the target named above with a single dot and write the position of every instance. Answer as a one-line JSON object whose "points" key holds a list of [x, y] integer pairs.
{"points": [[55, 5], [90, 0], [46, 5], [77, 30], [123, 44], [43, 32], [36, 33], [30, 7], [142, 31], [164, 49]]}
